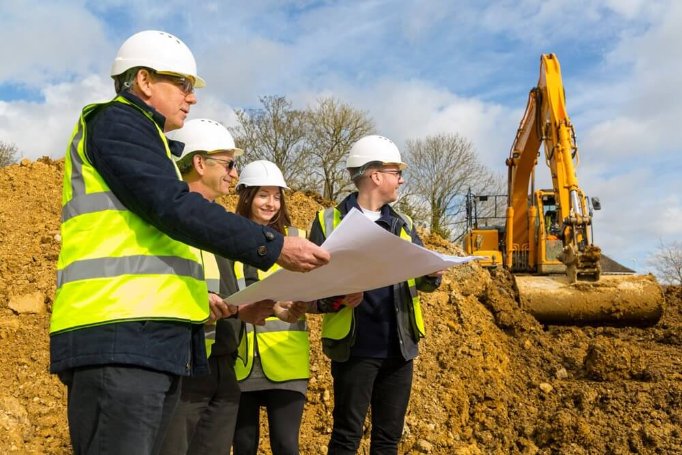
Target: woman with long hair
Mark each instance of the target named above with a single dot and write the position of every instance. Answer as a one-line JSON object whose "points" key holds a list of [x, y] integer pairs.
{"points": [[273, 363]]}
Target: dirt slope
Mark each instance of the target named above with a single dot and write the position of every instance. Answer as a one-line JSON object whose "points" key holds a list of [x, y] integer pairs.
{"points": [[489, 380]]}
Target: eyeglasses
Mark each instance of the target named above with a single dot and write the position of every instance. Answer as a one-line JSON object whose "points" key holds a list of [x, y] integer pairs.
{"points": [[229, 164], [393, 171], [185, 84]]}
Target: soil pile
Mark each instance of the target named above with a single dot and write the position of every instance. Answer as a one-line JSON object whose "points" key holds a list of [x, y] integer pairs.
{"points": [[490, 378]]}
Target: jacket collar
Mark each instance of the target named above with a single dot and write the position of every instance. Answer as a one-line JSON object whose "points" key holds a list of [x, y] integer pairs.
{"points": [[175, 147]]}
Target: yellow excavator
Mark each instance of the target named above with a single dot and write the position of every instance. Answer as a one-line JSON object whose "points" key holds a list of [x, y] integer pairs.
{"points": [[544, 237]]}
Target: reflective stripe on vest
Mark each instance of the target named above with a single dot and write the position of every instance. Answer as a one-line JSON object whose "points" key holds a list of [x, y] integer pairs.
{"points": [[283, 348], [212, 276], [337, 326], [113, 266]]}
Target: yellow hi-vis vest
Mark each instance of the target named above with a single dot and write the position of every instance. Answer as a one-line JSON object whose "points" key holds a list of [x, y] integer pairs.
{"points": [[212, 276], [113, 266], [284, 348], [337, 326]]}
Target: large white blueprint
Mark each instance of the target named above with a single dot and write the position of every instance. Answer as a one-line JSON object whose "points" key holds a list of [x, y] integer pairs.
{"points": [[363, 256]]}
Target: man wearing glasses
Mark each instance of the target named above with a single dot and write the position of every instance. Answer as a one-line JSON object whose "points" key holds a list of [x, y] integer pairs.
{"points": [[131, 296], [372, 345], [206, 415]]}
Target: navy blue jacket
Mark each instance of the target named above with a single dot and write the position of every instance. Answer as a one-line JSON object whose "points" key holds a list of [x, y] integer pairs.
{"points": [[383, 327], [125, 148]]}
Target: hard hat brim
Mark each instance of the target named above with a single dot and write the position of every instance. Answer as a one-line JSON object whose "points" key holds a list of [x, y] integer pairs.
{"points": [[199, 82], [402, 166], [235, 151]]}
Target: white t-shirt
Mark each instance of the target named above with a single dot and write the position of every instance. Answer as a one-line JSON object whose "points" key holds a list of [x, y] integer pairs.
{"points": [[373, 216]]}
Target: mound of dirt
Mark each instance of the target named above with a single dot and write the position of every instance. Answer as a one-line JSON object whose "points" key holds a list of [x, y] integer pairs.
{"points": [[490, 378]]}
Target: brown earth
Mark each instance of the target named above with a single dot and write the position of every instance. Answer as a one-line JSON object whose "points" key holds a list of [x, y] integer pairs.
{"points": [[490, 379]]}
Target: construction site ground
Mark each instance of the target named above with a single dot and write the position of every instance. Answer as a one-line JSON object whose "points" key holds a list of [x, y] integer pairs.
{"points": [[489, 379]]}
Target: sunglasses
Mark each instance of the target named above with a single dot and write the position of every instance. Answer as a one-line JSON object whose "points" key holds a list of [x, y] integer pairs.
{"points": [[393, 171], [185, 84], [229, 164]]}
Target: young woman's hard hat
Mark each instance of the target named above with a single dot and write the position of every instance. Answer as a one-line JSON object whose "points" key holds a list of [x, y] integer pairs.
{"points": [[261, 173]]}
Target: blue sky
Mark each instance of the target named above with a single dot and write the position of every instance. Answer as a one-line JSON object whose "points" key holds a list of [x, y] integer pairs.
{"points": [[417, 67]]}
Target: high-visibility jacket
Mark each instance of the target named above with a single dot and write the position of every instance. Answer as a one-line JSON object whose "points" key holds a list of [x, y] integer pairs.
{"points": [[338, 326], [212, 276], [113, 266], [283, 348]]}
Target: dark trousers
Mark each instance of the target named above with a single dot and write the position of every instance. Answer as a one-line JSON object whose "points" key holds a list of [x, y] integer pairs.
{"points": [[119, 409], [285, 410], [204, 420], [383, 384]]}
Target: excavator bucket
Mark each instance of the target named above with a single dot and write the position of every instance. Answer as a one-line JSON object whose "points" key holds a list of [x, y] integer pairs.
{"points": [[616, 300]]}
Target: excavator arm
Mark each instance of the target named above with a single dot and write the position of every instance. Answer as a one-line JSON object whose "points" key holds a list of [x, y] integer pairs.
{"points": [[545, 121]]}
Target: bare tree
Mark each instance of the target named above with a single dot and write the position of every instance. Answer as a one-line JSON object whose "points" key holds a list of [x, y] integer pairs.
{"points": [[667, 262], [442, 169], [333, 127], [8, 153], [277, 133]]}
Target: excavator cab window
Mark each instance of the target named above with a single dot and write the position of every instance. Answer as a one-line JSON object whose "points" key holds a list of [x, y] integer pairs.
{"points": [[549, 208]]}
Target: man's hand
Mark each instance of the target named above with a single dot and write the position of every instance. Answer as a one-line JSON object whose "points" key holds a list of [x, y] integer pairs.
{"points": [[301, 255], [437, 274], [256, 312], [352, 300], [290, 311], [219, 308]]}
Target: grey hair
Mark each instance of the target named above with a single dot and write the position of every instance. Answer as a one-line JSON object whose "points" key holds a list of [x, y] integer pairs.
{"points": [[186, 164], [124, 81]]}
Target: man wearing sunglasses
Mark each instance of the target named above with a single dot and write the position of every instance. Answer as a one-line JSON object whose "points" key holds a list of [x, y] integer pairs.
{"points": [[205, 417], [131, 296], [372, 344]]}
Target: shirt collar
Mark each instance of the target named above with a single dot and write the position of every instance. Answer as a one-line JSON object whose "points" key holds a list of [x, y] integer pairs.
{"points": [[352, 201]]}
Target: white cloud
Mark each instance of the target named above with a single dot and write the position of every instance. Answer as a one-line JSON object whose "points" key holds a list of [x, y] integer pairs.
{"points": [[43, 42], [410, 109], [43, 128]]}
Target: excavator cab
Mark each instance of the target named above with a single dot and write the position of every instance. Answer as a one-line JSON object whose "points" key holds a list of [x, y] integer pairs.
{"points": [[549, 233]]}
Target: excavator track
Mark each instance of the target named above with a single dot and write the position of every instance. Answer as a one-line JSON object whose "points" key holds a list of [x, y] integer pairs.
{"points": [[616, 300]]}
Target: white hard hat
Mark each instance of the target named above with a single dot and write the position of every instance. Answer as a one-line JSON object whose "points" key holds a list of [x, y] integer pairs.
{"points": [[261, 173], [374, 148], [204, 135], [159, 51]]}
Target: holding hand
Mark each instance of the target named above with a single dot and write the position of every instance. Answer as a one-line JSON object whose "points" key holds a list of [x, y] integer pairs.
{"points": [[301, 255], [352, 300], [290, 311], [437, 274], [256, 312], [219, 308]]}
